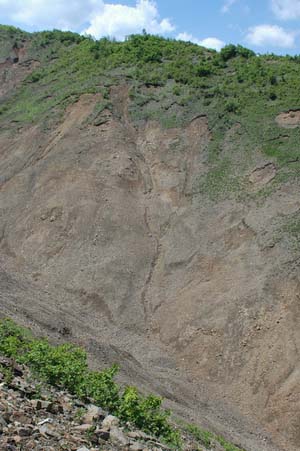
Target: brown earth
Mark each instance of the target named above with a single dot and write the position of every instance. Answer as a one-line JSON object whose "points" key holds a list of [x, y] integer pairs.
{"points": [[104, 243], [289, 119]]}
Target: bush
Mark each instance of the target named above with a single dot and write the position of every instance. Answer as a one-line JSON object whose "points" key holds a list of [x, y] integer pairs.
{"points": [[272, 95], [231, 107], [202, 71], [228, 52], [146, 414], [101, 387], [65, 366]]}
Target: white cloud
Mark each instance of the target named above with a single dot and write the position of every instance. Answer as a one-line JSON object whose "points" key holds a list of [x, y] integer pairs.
{"points": [[95, 17], [228, 5], [43, 14], [121, 20], [211, 43], [286, 9], [270, 35]]}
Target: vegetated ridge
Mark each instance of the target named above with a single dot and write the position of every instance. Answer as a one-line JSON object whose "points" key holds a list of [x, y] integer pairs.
{"points": [[149, 202]]}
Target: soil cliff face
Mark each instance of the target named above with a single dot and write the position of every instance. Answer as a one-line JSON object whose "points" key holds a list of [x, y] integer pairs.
{"points": [[105, 239]]}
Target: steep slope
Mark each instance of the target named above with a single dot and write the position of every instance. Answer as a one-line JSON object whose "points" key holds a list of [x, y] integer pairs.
{"points": [[154, 219]]}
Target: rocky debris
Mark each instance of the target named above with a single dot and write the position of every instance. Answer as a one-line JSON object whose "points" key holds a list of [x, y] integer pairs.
{"points": [[37, 417], [94, 413], [109, 422]]}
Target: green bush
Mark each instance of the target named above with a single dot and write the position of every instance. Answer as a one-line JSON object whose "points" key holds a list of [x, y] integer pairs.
{"points": [[231, 107], [146, 414], [101, 387], [65, 366], [62, 365], [228, 52]]}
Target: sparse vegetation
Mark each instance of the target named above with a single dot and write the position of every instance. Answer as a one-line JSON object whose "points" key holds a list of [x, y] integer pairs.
{"points": [[65, 366], [171, 82], [207, 439]]}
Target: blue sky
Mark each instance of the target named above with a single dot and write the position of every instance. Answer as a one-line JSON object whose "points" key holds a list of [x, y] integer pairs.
{"points": [[264, 26]]}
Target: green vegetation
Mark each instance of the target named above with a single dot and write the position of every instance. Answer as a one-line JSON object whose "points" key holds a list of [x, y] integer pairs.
{"points": [[290, 232], [207, 439], [172, 82], [65, 366]]}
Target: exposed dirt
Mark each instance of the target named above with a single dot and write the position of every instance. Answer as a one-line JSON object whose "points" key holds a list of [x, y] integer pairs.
{"points": [[289, 119], [104, 241], [14, 69], [262, 176]]}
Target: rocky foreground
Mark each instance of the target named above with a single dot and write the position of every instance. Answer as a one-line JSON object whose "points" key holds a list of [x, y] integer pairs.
{"points": [[38, 417], [34, 416]]}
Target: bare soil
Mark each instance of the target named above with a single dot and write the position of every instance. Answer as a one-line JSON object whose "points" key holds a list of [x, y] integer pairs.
{"points": [[105, 242]]}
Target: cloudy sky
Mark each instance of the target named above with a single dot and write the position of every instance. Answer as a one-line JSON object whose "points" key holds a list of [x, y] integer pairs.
{"points": [[263, 25]]}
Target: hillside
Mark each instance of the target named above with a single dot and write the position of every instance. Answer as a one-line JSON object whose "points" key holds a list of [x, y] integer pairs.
{"points": [[46, 404], [149, 202]]}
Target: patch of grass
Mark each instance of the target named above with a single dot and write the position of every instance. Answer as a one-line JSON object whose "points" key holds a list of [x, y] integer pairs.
{"points": [[220, 181], [7, 374], [291, 230], [205, 438], [208, 439]]}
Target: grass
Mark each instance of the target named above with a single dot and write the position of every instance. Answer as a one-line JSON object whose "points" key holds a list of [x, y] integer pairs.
{"points": [[290, 231], [208, 439]]}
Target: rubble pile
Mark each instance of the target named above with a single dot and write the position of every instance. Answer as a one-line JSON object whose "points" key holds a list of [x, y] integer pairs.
{"points": [[35, 416]]}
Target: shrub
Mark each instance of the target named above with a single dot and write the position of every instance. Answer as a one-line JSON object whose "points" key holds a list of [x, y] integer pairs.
{"points": [[202, 71], [272, 95], [228, 52], [231, 107], [65, 366], [101, 387]]}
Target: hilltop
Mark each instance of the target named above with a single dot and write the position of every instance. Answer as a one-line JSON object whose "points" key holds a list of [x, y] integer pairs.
{"points": [[149, 201]]}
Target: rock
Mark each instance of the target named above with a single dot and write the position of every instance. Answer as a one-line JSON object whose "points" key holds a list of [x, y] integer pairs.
{"points": [[82, 428], [46, 420], [24, 431], [102, 434], [83, 448], [49, 429], [94, 413], [3, 423], [54, 408], [109, 422], [36, 404], [139, 435], [137, 446], [17, 439], [118, 437]]}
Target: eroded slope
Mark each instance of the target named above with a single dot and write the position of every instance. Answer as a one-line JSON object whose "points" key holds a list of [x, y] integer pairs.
{"points": [[154, 250]]}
